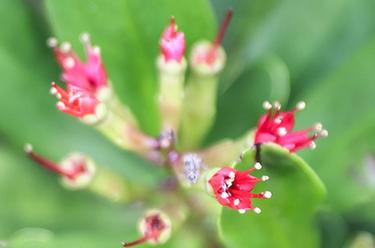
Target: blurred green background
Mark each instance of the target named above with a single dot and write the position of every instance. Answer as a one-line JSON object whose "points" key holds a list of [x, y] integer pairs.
{"points": [[320, 51]]}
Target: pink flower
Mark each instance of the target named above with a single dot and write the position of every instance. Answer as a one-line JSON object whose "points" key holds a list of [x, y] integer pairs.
{"points": [[277, 127], [85, 82], [233, 188], [89, 76], [172, 43]]}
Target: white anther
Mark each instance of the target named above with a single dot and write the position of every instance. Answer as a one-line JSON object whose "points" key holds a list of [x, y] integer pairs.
{"points": [[236, 202], [281, 131], [301, 105], [257, 166], [85, 37], [318, 126], [277, 105], [323, 133], [52, 42], [60, 105], [278, 120], [232, 174], [242, 211], [65, 47], [28, 148], [69, 62], [224, 195], [267, 105], [267, 194], [312, 145], [257, 210], [265, 178], [53, 91], [96, 50], [58, 96]]}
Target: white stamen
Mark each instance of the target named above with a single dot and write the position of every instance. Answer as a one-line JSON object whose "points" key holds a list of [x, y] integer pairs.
{"points": [[52, 42], [277, 105], [58, 96], [65, 47], [28, 148], [85, 37], [267, 105], [60, 105], [242, 211], [236, 202], [278, 120], [267, 194], [53, 91], [96, 50], [312, 145], [224, 195], [257, 210], [323, 133], [318, 127], [232, 174], [265, 178], [301, 105], [69, 62], [257, 166], [281, 131]]}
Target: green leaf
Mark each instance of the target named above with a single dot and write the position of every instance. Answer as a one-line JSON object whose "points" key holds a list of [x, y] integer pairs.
{"points": [[128, 31], [344, 104], [287, 218]]}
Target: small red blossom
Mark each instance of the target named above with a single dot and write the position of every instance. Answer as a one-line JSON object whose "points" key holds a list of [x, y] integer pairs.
{"points": [[154, 226], [277, 127], [172, 43], [74, 101], [232, 188]]}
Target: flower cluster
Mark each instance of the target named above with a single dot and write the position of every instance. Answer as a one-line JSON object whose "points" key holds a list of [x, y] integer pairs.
{"points": [[187, 109]]}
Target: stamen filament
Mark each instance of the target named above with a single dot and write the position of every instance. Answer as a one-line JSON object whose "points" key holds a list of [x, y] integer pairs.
{"points": [[219, 36], [48, 164]]}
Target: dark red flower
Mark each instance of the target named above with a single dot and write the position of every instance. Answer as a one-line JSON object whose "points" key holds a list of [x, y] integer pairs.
{"points": [[155, 227], [233, 188], [277, 127], [172, 43]]}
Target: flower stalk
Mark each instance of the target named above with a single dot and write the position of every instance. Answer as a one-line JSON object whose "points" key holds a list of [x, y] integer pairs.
{"points": [[207, 60]]}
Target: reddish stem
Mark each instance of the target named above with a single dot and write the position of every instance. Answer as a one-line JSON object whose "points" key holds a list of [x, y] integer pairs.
{"points": [[50, 165], [136, 242]]}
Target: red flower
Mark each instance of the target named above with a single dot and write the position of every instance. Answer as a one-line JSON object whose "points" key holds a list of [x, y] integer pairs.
{"points": [[233, 188], [277, 127], [86, 83], [155, 227], [172, 43]]}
